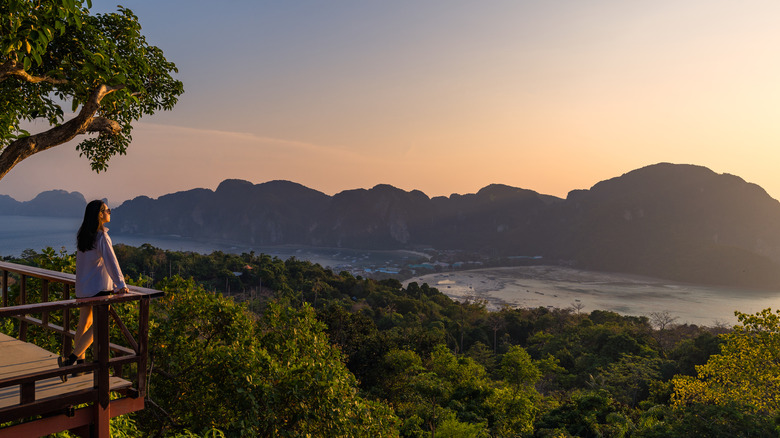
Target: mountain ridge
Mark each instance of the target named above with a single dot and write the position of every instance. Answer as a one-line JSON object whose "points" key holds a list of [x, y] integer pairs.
{"points": [[677, 221], [53, 203]]}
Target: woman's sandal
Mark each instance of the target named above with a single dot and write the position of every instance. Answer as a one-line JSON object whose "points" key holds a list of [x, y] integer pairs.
{"points": [[66, 362], [62, 362]]}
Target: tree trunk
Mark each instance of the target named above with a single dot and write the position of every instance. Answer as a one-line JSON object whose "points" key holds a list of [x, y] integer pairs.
{"points": [[85, 121]]}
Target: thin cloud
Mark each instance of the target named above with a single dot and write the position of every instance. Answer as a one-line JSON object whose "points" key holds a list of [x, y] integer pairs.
{"points": [[249, 137]]}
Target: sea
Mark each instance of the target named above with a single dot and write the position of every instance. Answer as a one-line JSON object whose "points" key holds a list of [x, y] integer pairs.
{"points": [[20, 233], [537, 286]]}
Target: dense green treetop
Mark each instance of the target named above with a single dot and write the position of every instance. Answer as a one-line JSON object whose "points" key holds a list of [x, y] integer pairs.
{"points": [[288, 348], [746, 371], [58, 62]]}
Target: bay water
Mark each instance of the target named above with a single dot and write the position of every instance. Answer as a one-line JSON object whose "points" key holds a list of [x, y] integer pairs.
{"points": [[517, 287], [19, 233]]}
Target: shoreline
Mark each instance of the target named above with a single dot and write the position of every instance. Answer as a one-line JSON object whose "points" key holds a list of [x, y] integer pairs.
{"points": [[626, 294]]}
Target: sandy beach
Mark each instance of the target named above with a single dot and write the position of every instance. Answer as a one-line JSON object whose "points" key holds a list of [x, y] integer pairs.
{"points": [[554, 286]]}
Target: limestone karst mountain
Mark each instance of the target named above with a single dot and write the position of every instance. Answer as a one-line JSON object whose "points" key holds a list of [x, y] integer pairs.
{"points": [[681, 222]]}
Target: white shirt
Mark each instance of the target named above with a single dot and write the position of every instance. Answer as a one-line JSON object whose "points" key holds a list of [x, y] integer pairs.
{"points": [[97, 270]]}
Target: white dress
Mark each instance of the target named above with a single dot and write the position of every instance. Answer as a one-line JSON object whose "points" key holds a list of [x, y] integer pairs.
{"points": [[97, 270]]}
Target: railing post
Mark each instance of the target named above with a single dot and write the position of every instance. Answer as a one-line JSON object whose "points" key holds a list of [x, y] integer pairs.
{"points": [[22, 301], [100, 327], [93, 420], [5, 288], [22, 289], [143, 344], [67, 343], [45, 299], [27, 393]]}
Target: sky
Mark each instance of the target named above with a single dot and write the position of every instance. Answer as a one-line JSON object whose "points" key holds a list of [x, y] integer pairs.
{"points": [[443, 96]]}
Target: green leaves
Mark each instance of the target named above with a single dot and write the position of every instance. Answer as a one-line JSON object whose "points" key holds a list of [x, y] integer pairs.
{"points": [[276, 376], [746, 371], [518, 369], [56, 48]]}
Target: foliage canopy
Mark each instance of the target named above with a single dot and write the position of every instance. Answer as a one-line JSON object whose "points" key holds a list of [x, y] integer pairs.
{"points": [[55, 53], [297, 350], [747, 371]]}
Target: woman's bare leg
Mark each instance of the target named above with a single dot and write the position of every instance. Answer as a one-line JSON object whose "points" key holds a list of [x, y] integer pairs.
{"points": [[83, 332]]}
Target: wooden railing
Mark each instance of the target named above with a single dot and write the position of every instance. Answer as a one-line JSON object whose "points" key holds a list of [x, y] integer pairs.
{"points": [[31, 417]]}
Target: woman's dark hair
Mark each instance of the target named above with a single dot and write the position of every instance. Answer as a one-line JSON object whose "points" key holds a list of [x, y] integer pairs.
{"points": [[85, 238]]}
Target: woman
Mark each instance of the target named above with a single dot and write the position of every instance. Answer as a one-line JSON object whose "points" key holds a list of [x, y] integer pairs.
{"points": [[97, 273]]}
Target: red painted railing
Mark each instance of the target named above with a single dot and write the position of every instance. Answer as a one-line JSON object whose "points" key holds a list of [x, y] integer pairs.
{"points": [[31, 417]]}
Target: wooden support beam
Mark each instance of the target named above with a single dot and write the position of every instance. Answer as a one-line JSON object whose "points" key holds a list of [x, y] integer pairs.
{"points": [[45, 299], [123, 328], [143, 344], [79, 302], [102, 425], [23, 290], [27, 392], [71, 334], [77, 421], [100, 328], [47, 405], [67, 342], [5, 288], [22, 302], [31, 391]]}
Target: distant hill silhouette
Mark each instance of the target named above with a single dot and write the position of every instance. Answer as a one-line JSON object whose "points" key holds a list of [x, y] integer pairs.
{"points": [[53, 203], [272, 213], [676, 221], [680, 222]]}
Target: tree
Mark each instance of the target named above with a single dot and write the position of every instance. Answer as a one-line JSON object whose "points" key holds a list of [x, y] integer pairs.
{"points": [[662, 320], [203, 352], [577, 307], [728, 420], [450, 427], [496, 323], [270, 375], [513, 405], [747, 371], [629, 379], [307, 390], [518, 369], [53, 53], [586, 414]]}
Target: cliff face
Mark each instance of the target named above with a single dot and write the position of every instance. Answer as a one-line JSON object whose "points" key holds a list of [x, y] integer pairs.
{"points": [[680, 222], [272, 213], [382, 217], [676, 221]]}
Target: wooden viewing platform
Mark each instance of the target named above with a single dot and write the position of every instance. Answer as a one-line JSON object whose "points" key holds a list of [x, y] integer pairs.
{"points": [[33, 399]]}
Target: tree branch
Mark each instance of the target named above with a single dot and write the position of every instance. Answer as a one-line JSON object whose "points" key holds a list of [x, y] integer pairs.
{"points": [[11, 68], [85, 121], [102, 124]]}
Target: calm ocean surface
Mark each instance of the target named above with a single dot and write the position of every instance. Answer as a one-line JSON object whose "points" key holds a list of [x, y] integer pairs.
{"points": [[18, 233]]}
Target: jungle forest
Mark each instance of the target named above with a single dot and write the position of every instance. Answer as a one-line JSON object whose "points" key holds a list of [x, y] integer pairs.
{"points": [[252, 345]]}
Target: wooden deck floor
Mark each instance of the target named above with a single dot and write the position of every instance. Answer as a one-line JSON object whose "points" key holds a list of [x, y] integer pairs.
{"points": [[19, 358]]}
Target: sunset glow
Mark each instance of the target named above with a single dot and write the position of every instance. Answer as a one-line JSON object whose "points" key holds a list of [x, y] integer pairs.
{"points": [[444, 96]]}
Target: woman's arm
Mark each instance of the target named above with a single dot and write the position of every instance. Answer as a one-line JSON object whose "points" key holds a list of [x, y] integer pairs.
{"points": [[106, 250]]}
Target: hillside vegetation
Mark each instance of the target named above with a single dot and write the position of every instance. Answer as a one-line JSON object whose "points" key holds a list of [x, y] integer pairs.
{"points": [[298, 350]]}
